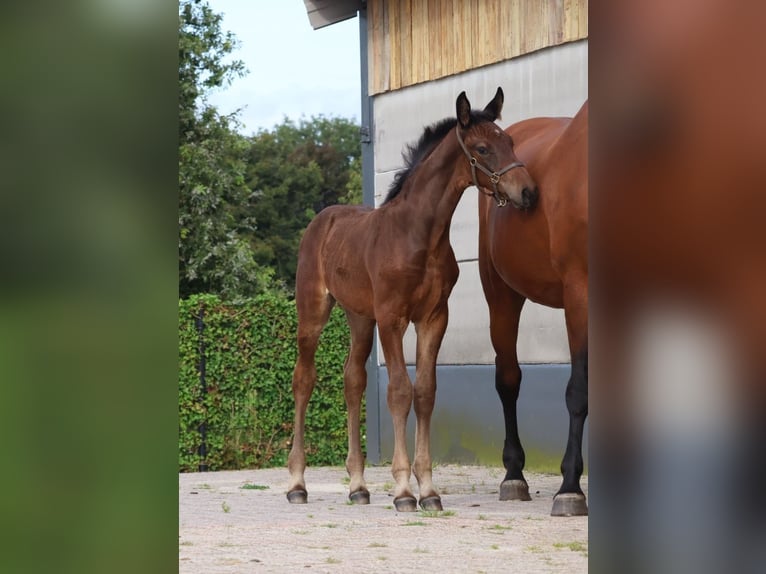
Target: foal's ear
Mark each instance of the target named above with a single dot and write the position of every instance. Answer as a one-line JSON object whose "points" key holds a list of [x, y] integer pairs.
{"points": [[496, 105], [463, 110]]}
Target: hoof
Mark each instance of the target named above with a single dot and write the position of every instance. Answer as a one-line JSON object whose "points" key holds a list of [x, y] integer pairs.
{"points": [[569, 504], [406, 504], [431, 503], [298, 496], [514, 490], [360, 497]]}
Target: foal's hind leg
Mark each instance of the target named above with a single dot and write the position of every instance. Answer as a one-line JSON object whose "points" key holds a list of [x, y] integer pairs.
{"points": [[570, 500], [355, 382], [313, 313]]}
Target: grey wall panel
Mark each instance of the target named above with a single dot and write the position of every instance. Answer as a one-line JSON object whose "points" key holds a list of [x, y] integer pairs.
{"points": [[464, 233], [467, 423]]}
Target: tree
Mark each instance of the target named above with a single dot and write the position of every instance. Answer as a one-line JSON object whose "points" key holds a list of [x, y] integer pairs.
{"points": [[215, 255], [295, 171]]}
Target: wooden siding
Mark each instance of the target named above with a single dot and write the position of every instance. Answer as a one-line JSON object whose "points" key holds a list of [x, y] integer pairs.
{"points": [[414, 41]]}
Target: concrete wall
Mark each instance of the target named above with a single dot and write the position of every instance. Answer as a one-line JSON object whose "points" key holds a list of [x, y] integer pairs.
{"points": [[550, 82]]}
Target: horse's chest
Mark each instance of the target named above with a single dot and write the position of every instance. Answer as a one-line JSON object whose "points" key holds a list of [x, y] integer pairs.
{"points": [[438, 279]]}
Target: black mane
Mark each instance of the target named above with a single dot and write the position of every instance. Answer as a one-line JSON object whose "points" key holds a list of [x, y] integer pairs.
{"points": [[414, 154]]}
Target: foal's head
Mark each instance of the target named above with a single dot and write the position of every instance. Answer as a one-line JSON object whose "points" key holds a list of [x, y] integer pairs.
{"points": [[495, 169]]}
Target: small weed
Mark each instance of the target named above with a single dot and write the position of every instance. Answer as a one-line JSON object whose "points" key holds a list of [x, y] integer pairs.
{"points": [[482, 517], [495, 547], [309, 516], [473, 488], [226, 507], [331, 560], [389, 507], [346, 480], [535, 549], [419, 550], [388, 485], [414, 523], [377, 545], [573, 546], [186, 543], [330, 525], [382, 557], [500, 527], [299, 531], [248, 486], [436, 513], [205, 486]]}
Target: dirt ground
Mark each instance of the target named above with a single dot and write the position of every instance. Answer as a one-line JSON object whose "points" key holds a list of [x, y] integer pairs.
{"points": [[240, 521]]}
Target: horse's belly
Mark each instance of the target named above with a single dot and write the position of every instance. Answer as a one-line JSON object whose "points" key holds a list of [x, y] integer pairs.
{"points": [[538, 288], [523, 262]]}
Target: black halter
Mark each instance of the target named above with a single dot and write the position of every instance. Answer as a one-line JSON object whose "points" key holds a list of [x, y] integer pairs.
{"points": [[494, 176]]}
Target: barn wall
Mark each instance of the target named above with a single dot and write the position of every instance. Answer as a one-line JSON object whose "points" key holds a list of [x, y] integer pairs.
{"points": [[550, 82], [415, 41]]}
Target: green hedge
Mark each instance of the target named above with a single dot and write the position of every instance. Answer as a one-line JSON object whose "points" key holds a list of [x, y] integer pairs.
{"points": [[250, 353]]}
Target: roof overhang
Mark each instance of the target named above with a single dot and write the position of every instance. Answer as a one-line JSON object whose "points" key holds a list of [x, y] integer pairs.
{"points": [[325, 12]]}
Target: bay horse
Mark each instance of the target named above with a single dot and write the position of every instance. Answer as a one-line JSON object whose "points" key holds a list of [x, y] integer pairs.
{"points": [[391, 266], [541, 255]]}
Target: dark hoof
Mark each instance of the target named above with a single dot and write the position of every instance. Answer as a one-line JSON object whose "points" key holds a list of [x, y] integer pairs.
{"points": [[298, 496], [406, 504], [514, 490], [569, 504], [431, 503], [360, 497]]}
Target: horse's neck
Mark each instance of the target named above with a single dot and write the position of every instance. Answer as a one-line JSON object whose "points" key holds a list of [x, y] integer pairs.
{"points": [[435, 188]]}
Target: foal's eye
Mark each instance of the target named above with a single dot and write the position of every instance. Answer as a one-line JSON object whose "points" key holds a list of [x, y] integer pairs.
{"points": [[481, 150]]}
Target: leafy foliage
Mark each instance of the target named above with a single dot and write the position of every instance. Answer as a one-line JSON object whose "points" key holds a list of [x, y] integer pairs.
{"points": [[248, 409], [295, 171], [214, 252]]}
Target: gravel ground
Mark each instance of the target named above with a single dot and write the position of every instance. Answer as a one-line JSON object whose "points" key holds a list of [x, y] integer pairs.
{"points": [[227, 527]]}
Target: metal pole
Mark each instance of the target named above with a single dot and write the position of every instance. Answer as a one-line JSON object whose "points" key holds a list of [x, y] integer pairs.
{"points": [[368, 194], [202, 450]]}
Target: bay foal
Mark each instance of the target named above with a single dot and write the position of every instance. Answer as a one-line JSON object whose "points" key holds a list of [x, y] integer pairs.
{"points": [[392, 266]]}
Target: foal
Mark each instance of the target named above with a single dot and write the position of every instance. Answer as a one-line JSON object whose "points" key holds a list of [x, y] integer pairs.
{"points": [[392, 266]]}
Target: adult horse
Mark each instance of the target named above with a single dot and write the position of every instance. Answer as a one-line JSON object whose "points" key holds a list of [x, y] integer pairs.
{"points": [[541, 255], [392, 266]]}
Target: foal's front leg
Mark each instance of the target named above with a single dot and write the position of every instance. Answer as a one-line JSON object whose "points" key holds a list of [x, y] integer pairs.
{"points": [[430, 335], [399, 404]]}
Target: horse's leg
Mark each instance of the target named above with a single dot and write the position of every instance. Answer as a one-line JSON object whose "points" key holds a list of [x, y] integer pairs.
{"points": [[313, 313], [430, 335], [399, 399], [570, 500], [504, 314], [355, 382]]}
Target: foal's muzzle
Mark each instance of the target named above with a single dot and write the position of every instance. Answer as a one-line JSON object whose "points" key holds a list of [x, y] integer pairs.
{"points": [[529, 197]]}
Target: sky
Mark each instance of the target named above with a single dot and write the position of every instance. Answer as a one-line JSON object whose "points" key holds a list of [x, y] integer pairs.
{"points": [[294, 70]]}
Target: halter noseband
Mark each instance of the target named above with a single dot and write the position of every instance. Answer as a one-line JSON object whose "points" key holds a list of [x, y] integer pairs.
{"points": [[494, 176]]}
